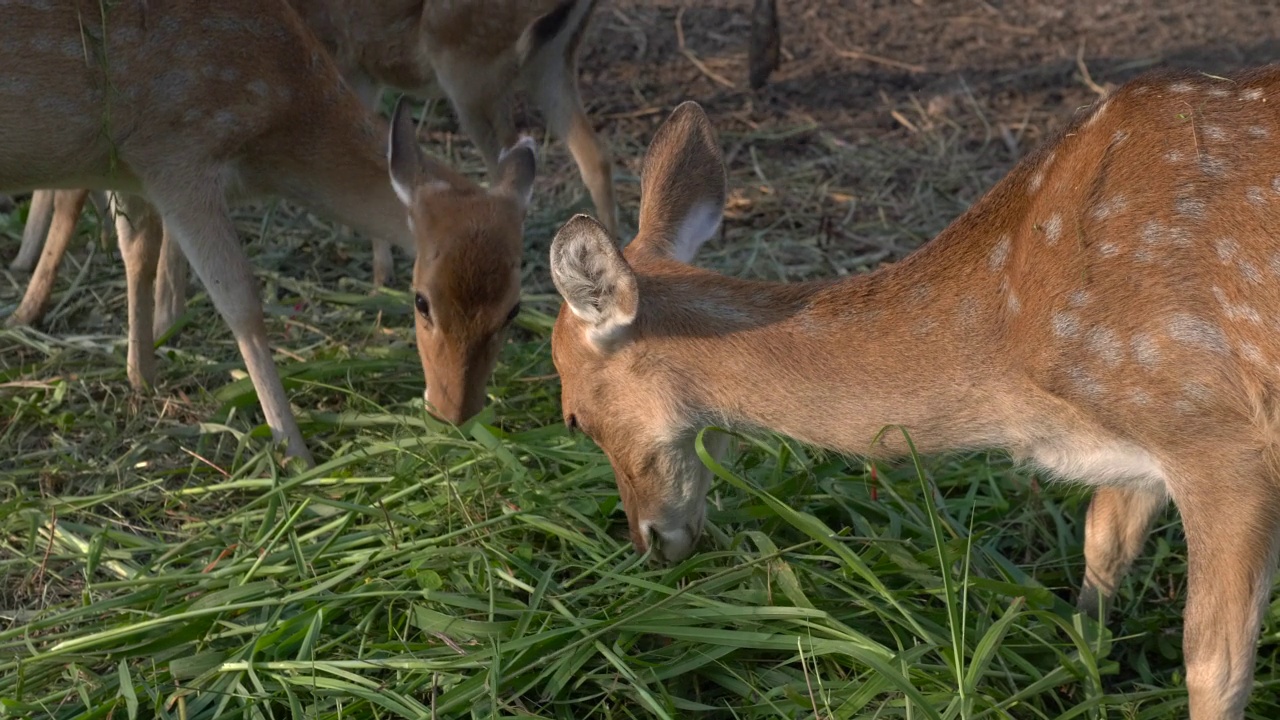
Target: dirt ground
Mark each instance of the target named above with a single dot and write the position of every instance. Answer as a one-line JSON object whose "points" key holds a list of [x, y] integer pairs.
{"points": [[887, 118]]}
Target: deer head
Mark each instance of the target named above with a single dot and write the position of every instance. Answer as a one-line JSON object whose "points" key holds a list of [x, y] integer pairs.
{"points": [[466, 277], [617, 387]]}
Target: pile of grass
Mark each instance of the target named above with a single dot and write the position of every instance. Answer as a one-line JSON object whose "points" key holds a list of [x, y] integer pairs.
{"points": [[156, 562]]}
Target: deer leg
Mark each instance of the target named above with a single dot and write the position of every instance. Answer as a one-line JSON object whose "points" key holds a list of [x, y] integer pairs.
{"points": [[171, 283], [65, 215], [138, 233], [39, 215], [200, 222], [1115, 528], [1231, 520], [555, 91], [370, 93]]}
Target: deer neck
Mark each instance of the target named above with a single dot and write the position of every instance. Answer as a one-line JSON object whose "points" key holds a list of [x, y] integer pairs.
{"points": [[917, 344]]}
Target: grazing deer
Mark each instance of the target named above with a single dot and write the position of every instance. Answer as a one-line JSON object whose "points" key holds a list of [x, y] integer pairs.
{"points": [[1107, 312], [480, 52], [179, 105]]}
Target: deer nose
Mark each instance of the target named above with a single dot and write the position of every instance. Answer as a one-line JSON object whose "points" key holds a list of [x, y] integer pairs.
{"points": [[674, 544]]}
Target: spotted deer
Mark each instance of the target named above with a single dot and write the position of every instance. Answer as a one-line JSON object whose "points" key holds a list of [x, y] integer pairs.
{"points": [[478, 52], [177, 106], [1107, 313]]}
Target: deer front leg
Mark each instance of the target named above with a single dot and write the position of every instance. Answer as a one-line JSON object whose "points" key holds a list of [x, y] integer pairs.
{"points": [[198, 218], [1115, 528], [1231, 521]]}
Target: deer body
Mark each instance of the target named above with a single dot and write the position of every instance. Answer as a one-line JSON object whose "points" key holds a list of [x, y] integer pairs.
{"points": [[177, 106], [479, 52], [1106, 312]]}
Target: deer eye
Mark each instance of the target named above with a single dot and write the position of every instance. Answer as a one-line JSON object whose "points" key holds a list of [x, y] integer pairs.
{"points": [[514, 312], [420, 302]]}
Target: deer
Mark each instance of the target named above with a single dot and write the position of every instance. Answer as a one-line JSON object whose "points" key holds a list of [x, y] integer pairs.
{"points": [[1105, 313], [479, 52], [180, 109]]}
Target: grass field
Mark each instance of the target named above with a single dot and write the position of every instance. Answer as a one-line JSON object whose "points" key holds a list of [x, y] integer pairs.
{"points": [[155, 562]]}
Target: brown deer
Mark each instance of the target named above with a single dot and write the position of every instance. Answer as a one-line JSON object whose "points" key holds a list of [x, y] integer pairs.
{"points": [[1107, 313], [178, 105], [480, 52]]}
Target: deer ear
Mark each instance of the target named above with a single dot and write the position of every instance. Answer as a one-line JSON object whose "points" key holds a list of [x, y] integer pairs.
{"points": [[409, 167], [595, 281], [404, 157], [682, 186], [517, 166]]}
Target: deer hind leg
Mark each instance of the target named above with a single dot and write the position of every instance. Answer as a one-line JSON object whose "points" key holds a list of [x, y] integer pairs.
{"points": [[199, 220], [369, 91], [1115, 528], [171, 284], [138, 233], [554, 87], [39, 215], [65, 215], [1231, 516]]}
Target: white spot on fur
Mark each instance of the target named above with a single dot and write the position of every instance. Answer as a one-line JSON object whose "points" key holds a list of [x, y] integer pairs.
{"points": [[1250, 272], [1213, 166], [1227, 248], [1065, 325], [1085, 383], [1013, 303], [1078, 298], [1215, 133], [1036, 181], [1173, 156], [1108, 249], [1250, 352], [1102, 341], [1251, 94], [1257, 132], [1218, 92], [1053, 229], [1191, 207], [1233, 311], [1139, 396], [1119, 137], [1256, 195], [967, 315], [999, 253], [1145, 350], [1196, 392], [1181, 87], [1106, 208], [1191, 330]]}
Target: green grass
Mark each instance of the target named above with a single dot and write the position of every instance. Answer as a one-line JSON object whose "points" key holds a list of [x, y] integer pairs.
{"points": [[155, 563]]}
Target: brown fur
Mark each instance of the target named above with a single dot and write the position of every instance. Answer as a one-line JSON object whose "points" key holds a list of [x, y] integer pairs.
{"points": [[250, 105], [1106, 312], [480, 51]]}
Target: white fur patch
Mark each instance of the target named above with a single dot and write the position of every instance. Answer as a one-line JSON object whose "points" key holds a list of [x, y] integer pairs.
{"points": [[1098, 463], [698, 226]]}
